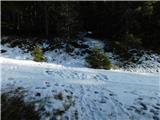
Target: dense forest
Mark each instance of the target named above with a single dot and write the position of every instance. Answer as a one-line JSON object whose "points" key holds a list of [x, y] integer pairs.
{"points": [[132, 24]]}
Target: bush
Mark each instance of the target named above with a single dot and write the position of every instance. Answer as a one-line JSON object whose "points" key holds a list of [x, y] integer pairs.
{"points": [[133, 41], [15, 43], [3, 51], [15, 108], [38, 55], [98, 59]]}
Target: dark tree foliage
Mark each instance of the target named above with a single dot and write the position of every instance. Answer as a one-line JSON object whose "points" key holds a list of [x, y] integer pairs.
{"points": [[126, 22]]}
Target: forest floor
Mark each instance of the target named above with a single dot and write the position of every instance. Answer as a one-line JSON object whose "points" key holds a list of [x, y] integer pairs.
{"points": [[64, 89]]}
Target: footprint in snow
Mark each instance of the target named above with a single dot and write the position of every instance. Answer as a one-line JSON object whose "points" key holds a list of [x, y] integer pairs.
{"points": [[139, 111], [47, 84], [155, 112], [103, 100], [144, 106], [140, 98], [40, 88], [101, 77], [56, 84], [112, 94], [131, 108], [153, 98], [158, 104], [38, 94], [49, 72], [68, 91], [87, 89], [10, 78], [133, 92], [43, 88], [156, 118], [54, 91], [125, 91]]}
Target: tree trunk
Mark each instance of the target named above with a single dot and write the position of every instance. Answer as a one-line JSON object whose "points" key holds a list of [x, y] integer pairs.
{"points": [[46, 20]]}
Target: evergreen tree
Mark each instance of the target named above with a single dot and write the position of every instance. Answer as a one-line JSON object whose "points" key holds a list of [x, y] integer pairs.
{"points": [[127, 22], [67, 20]]}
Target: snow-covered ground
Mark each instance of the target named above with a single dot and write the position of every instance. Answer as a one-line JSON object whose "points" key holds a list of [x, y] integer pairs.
{"points": [[147, 63], [88, 94], [65, 89]]}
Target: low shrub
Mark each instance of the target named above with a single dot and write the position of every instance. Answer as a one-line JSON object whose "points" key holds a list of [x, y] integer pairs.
{"points": [[119, 49], [3, 51], [38, 55], [133, 41], [98, 59], [4, 41], [15, 108], [15, 43], [69, 48]]}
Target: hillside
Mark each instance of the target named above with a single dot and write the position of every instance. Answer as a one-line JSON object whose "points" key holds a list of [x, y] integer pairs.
{"points": [[66, 89]]}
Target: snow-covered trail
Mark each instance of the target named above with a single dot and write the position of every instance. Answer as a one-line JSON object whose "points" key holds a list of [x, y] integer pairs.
{"points": [[98, 94]]}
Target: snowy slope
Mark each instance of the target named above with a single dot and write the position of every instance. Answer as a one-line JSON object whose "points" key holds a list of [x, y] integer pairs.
{"points": [[15, 53], [147, 63], [88, 94]]}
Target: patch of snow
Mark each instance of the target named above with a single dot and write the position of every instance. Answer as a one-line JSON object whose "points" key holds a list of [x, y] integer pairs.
{"points": [[59, 56], [45, 45], [92, 43], [16, 53]]}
